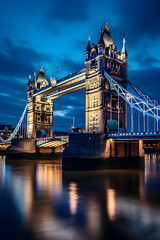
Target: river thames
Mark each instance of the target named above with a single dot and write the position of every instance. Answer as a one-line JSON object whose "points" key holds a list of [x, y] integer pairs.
{"points": [[39, 201]]}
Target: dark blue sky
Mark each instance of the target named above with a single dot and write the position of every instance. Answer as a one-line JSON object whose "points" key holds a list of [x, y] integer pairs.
{"points": [[54, 33]]}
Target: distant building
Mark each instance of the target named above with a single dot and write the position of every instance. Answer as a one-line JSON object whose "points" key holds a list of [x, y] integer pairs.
{"points": [[5, 131], [77, 130]]}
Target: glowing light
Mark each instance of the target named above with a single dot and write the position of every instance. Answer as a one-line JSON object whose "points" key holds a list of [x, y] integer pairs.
{"points": [[66, 90], [73, 198], [111, 203], [49, 175]]}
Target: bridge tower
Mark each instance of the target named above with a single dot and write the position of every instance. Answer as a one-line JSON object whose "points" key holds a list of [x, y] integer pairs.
{"points": [[102, 102], [39, 109]]}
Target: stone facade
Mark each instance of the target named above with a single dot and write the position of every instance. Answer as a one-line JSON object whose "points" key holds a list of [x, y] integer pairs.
{"points": [[39, 109], [102, 101]]}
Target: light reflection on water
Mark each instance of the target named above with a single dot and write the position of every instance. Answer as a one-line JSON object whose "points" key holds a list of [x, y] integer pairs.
{"points": [[108, 204]]}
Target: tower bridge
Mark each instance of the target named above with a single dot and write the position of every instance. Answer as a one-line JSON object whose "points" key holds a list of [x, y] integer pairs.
{"points": [[110, 99]]}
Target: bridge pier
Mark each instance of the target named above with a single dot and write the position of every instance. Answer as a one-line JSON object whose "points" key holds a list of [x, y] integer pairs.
{"points": [[141, 149], [94, 146], [112, 148], [22, 145]]}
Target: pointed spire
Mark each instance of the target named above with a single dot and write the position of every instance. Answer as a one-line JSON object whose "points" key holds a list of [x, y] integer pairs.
{"points": [[107, 37], [34, 78], [29, 82], [89, 45], [101, 41], [124, 46]]}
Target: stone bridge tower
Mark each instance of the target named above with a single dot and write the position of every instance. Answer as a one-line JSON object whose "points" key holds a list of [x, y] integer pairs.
{"points": [[39, 109], [101, 100]]}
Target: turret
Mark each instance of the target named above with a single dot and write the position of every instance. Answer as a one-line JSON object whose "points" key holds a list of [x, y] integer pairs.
{"points": [[101, 45], [34, 78], [124, 52], [29, 82], [88, 49], [107, 37]]}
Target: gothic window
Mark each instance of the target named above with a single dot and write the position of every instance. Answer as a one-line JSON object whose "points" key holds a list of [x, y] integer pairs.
{"points": [[43, 118], [43, 107], [106, 85], [93, 62], [38, 85]]}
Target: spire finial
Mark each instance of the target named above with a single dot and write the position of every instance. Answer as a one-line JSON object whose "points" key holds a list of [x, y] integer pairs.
{"points": [[124, 41], [30, 77], [124, 46], [106, 27], [89, 39], [41, 70], [101, 30], [34, 74]]}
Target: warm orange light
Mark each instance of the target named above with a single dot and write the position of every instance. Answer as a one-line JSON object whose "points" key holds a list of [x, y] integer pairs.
{"points": [[111, 203], [73, 198]]}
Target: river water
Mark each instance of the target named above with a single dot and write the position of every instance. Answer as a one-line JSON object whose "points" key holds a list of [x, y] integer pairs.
{"points": [[39, 201]]}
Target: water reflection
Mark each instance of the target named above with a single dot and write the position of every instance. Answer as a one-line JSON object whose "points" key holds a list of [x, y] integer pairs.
{"points": [[91, 205], [73, 198], [49, 178], [2, 171], [111, 203]]}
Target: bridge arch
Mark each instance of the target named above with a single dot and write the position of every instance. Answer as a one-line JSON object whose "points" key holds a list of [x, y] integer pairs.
{"points": [[41, 133], [112, 125]]}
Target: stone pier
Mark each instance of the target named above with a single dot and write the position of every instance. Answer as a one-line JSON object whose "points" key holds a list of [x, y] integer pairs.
{"points": [[94, 146]]}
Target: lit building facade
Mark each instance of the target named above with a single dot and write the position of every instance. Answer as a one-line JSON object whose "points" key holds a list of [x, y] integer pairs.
{"points": [[102, 102], [5, 131], [39, 109]]}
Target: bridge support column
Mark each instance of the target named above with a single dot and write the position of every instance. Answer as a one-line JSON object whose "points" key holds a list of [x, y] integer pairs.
{"points": [[108, 148], [112, 148], [141, 150]]}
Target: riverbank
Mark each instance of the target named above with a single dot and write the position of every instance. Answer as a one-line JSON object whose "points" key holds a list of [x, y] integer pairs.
{"points": [[33, 156], [102, 163]]}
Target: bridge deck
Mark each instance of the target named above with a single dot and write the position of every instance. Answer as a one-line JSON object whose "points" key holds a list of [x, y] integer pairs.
{"points": [[121, 136]]}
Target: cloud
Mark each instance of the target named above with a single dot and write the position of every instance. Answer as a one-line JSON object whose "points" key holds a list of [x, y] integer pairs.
{"points": [[60, 113], [144, 60], [70, 66], [17, 60], [67, 11], [147, 80]]}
